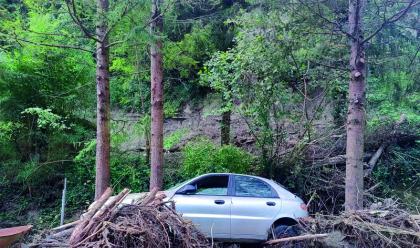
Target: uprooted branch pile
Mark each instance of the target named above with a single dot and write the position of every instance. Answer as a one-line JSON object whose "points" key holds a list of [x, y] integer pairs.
{"points": [[147, 223], [392, 227]]}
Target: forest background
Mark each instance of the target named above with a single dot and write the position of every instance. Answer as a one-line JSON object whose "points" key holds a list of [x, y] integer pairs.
{"points": [[256, 87]]}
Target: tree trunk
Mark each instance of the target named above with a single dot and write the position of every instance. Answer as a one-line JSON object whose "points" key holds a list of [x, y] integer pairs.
{"points": [[225, 128], [103, 102], [356, 110], [147, 150], [146, 129], [156, 70]]}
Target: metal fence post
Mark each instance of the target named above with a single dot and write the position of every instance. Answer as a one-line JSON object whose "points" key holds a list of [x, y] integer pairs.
{"points": [[63, 202]]}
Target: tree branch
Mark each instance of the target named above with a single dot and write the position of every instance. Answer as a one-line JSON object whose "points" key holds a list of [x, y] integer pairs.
{"points": [[320, 15], [56, 34], [111, 27], [146, 25], [73, 14], [53, 45], [297, 238], [394, 18]]}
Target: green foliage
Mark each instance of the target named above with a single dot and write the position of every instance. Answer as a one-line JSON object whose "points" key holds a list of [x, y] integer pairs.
{"points": [[171, 107], [127, 170], [398, 174], [174, 138], [43, 104], [203, 156], [269, 71], [45, 118], [392, 95], [187, 54], [221, 74], [7, 129]]}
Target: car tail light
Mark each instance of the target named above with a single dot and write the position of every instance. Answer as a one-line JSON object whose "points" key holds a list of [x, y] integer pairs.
{"points": [[304, 207]]}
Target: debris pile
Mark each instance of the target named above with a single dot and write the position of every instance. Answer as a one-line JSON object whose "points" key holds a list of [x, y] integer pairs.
{"points": [[390, 227], [146, 223]]}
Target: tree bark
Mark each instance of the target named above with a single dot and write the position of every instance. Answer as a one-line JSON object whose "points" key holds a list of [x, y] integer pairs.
{"points": [[147, 149], [103, 102], [225, 128], [356, 110], [156, 142]]}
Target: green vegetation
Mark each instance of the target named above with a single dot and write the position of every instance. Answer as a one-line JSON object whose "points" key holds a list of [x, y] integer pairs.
{"points": [[398, 174], [174, 138], [203, 156]]}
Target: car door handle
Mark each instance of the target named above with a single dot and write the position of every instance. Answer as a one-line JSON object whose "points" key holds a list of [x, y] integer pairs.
{"points": [[219, 202], [271, 203]]}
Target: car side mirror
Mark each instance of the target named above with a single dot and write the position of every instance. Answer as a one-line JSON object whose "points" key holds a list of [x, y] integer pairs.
{"points": [[187, 189]]}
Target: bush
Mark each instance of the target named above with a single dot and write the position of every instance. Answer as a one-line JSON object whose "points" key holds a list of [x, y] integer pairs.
{"points": [[203, 156], [127, 171], [398, 174], [174, 138]]}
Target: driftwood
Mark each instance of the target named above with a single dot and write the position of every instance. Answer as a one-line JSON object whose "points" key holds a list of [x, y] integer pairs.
{"points": [[66, 226], [296, 238], [98, 217], [148, 223], [148, 198], [78, 230], [387, 227]]}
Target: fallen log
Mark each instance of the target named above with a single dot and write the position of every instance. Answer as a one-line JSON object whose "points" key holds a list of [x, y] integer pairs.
{"points": [[84, 220], [149, 197], [106, 208], [297, 238], [66, 226], [374, 159]]}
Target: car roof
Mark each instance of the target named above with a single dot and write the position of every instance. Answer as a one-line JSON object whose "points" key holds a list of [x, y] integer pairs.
{"points": [[235, 174]]}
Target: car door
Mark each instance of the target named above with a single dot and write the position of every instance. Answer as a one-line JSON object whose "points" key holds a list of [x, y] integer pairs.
{"points": [[254, 206], [209, 206]]}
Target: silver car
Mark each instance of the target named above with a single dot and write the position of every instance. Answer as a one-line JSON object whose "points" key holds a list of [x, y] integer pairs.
{"points": [[234, 207]]}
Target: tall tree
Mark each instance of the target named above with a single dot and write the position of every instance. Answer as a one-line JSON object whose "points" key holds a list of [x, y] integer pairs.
{"points": [[357, 96], [225, 127], [101, 37], [102, 179], [156, 71], [356, 111], [103, 101]]}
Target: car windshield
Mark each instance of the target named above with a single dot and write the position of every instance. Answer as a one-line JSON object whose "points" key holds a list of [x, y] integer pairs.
{"points": [[178, 184]]}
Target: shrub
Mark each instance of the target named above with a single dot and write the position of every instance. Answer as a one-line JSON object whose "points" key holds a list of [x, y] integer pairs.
{"points": [[398, 174], [203, 156], [174, 138]]}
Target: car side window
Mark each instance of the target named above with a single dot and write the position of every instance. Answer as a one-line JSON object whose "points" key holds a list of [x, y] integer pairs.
{"points": [[212, 185], [252, 187]]}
